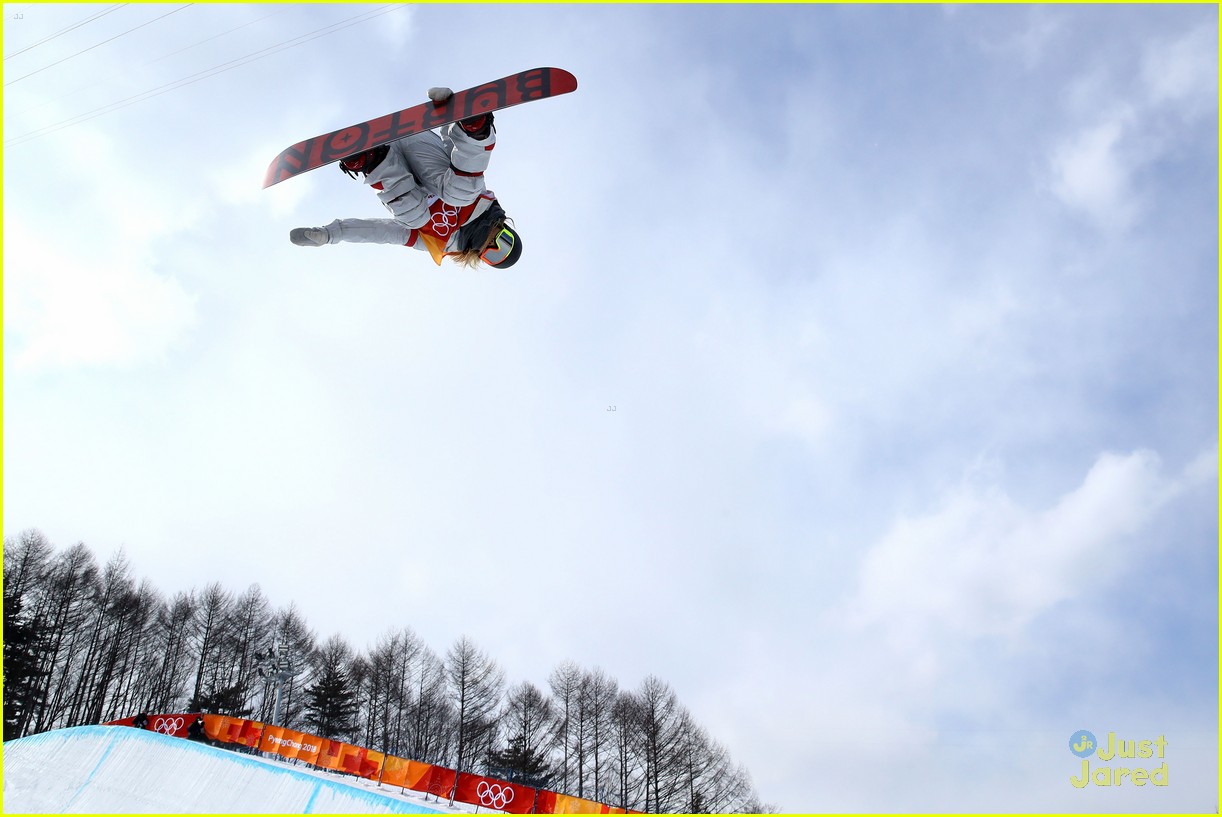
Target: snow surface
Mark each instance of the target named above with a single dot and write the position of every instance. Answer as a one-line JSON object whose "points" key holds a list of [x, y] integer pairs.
{"points": [[95, 769]]}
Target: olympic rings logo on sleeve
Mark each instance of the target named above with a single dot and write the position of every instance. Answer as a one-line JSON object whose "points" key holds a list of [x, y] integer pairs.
{"points": [[494, 795]]}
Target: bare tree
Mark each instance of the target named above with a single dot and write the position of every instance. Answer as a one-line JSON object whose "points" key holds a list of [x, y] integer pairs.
{"points": [[476, 687], [65, 607], [123, 614], [626, 740], [660, 716], [529, 721], [87, 689], [565, 684], [130, 665], [27, 559], [247, 633], [432, 718], [699, 763], [390, 698], [595, 699], [379, 694], [406, 652], [174, 627], [212, 614]]}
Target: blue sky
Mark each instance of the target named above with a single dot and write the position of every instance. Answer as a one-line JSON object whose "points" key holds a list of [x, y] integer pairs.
{"points": [[908, 316]]}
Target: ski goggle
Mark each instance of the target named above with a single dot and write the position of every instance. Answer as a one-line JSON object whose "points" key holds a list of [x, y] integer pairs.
{"points": [[499, 249]]}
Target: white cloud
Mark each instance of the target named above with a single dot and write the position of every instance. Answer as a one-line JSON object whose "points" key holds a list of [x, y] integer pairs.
{"points": [[1184, 70], [1028, 35], [85, 282], [982, 565], [1091, 173], [63, 310], [917, 684], [120, 192], [396, 29], [1121, 127], [239, 183]]}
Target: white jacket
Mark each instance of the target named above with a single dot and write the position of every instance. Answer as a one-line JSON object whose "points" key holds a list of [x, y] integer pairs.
{"points": [[432, 184]]}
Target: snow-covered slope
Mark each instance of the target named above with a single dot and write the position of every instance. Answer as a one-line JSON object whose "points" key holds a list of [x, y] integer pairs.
{"points": [[119, 769]]}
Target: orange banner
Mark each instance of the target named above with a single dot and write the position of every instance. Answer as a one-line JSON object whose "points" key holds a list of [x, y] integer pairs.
{"points": [[214, 727], [494, 794], [407, 774], [350, 758], [250, 733], [329, 754], [371, 766], [273, 737], [439, 781], [229, 729], [311, 745], [566, 804], [295, 743], [290, 744]]}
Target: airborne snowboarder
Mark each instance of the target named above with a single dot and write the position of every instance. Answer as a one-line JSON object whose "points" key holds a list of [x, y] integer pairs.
{"points": [[433, 185]]}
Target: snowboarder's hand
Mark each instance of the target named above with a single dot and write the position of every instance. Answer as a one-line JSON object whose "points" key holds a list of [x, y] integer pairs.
{"points": [[440, 95]]}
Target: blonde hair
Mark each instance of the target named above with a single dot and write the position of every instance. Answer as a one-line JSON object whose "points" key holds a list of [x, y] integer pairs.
{"points": [[471, 258]]}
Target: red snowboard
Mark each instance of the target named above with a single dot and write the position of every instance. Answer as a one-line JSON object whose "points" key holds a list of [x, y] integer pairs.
{"points": [[538, 83]]}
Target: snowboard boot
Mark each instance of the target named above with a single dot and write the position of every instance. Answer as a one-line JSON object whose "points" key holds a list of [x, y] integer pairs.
{"points": [[309, 236], [477, 127]]}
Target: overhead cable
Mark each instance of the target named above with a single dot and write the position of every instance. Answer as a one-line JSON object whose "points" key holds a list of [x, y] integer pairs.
{"points": [[65, 30], [193, 78], [95, 45]]}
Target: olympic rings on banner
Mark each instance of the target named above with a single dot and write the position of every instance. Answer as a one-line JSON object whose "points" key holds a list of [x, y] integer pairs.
{"points": [[494, 795], [169, 726]]}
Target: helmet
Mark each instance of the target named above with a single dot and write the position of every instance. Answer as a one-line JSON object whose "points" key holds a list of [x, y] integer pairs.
{"points": [[500, 251], [505, 249]]}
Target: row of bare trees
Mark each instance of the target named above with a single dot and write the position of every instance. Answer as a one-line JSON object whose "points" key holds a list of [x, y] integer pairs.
{"points": [[86, 643]]}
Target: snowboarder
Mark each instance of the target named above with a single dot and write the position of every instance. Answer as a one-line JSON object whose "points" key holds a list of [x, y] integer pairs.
{"points": [[433, 185]]}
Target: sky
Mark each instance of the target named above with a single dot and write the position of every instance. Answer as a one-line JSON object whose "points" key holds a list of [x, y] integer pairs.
{"points": [[858, 379]]}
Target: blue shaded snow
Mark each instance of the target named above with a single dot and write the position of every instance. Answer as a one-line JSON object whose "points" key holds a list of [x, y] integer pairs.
{"points": [[121, 769]]}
